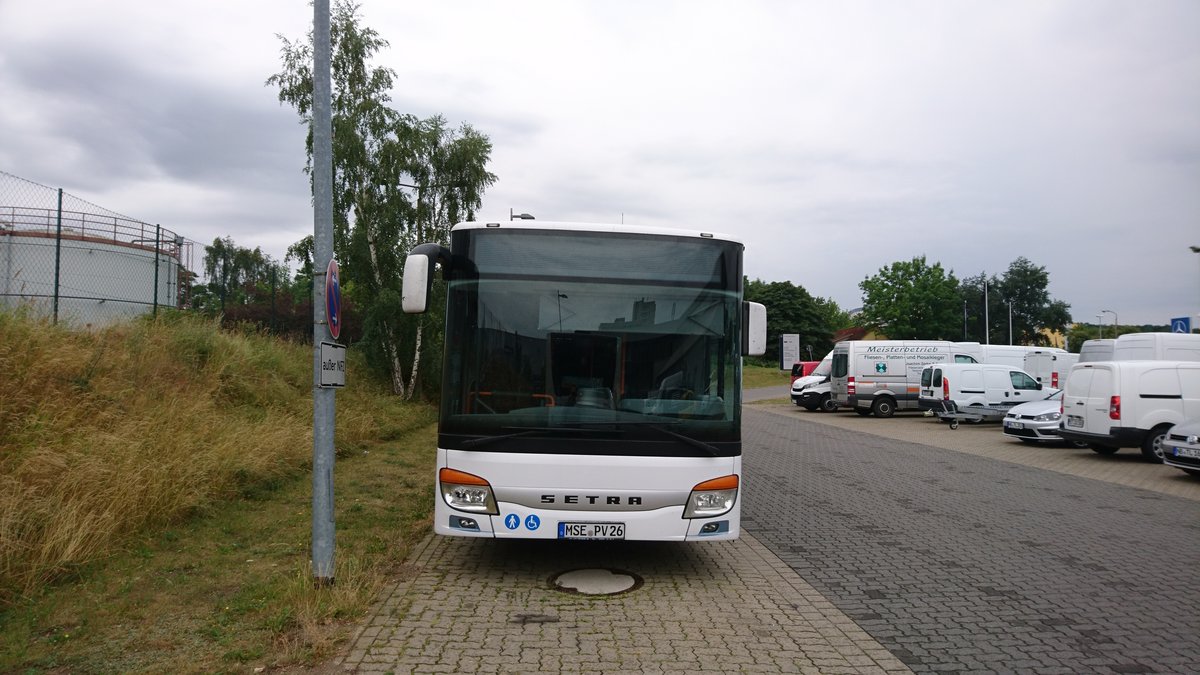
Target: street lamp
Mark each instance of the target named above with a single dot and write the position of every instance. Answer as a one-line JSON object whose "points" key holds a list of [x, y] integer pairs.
{"points": [[1195, 249], [1116, 322], [518, 216], [1100, 324]]}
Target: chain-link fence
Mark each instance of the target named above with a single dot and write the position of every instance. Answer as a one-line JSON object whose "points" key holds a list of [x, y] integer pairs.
{"points": [[72, 261]]}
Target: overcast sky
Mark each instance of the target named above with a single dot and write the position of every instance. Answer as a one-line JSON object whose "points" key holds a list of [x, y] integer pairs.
{"points": [[832, 138]]}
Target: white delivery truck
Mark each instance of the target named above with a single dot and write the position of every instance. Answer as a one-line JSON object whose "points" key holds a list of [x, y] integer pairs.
{"points": [[1157, 347], [1008, 355], [811, 392], [1129, 404], [879, 377], [1048, 367], [1096, 350]]}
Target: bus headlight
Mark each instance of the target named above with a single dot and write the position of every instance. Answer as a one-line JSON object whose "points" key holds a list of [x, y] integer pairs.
{"points": [[467, 492], [712, 497]]}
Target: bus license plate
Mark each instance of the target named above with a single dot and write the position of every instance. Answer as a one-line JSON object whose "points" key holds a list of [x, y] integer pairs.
{"points": [[591, 530], [1187, 452], [1074, 421]]}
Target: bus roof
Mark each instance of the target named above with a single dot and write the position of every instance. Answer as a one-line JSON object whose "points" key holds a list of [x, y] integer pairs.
{"points": [[595, 227]]}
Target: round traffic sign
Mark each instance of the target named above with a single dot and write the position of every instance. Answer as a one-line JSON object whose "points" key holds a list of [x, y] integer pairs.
{"points": [[333, 299]]}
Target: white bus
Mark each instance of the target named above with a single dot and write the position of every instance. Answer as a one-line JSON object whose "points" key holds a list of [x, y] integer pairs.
{"points": [[592, 380]]}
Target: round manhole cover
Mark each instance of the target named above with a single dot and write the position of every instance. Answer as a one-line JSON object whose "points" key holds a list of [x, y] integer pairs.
{"points": [[596, 581]]}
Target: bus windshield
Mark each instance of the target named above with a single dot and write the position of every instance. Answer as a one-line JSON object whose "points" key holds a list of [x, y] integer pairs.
{"points": [[592, 344]]}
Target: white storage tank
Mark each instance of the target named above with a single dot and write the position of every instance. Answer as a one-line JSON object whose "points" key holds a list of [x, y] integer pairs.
{"points": [[107, 269]]}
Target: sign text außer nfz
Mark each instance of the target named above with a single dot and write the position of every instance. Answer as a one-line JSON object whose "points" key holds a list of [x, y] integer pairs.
{"points": [[333, 365]]}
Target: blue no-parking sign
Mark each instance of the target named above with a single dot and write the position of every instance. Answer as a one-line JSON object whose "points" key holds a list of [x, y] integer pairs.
{"points": [[333, 299], [1181, 325]]}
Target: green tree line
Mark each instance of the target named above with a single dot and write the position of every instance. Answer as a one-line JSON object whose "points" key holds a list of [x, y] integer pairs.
{"points": [[913, 299]]}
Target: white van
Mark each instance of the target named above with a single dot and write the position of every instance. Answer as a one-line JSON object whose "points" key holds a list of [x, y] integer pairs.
{"points": [[1008, 355], [1050, 367], [811, 392], [818, 375], [1096, 350], [815, 397], [977, 384], [1157, 347], [1129, 404], [879, 377]]}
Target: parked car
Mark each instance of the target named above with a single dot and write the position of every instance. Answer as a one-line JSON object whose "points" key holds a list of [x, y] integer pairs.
{"points": [[1037, 421], [1181, 448]]}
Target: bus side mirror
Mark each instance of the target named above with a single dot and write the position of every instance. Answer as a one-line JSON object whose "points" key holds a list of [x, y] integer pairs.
{"points": [[418, 276], [754, 329]]}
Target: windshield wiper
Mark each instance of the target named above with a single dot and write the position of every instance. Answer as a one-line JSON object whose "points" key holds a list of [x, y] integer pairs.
{"points": [[524, 431], [712, 450]]}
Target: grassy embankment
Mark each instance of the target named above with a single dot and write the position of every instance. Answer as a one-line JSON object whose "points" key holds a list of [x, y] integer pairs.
{"points": [[155, 499], [754, 377]]}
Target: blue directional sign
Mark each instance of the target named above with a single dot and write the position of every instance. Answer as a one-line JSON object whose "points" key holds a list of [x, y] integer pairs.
{"points": [[533, 522], [511, 521], [1181, 325]]}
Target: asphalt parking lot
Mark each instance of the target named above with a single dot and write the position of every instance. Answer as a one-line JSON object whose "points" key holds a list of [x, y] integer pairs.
{"points": [[869, 546], [1126, 467]]}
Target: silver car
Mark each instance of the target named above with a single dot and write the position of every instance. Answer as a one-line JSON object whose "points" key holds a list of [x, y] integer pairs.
{"points": [[1181, 447], [1037, 421]]}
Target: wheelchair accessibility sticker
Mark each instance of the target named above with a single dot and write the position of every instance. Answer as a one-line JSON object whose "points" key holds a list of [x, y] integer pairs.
{"points": [[512, 521]]}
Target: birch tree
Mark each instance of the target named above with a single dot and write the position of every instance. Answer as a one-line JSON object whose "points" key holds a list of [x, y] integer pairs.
{"points": [[398, 180]]}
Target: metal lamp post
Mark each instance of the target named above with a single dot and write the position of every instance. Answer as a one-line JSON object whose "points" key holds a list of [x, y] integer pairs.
{"points": [[1009, 303], [1116, 322], [1195, 249]]}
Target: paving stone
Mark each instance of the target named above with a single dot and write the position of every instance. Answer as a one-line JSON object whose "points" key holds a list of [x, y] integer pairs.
{"points": [[963, 550], [709, 606]]}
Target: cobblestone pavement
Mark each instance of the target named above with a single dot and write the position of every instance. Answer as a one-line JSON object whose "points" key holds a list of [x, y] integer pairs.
{"points": [[992, 557], [471, 605]]}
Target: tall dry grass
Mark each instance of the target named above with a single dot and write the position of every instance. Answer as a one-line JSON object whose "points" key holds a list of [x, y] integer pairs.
{"points": [[105, 434]]}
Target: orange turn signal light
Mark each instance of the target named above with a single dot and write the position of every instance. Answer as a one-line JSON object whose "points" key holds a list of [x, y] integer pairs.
{"points": [[729, 482], [457, 477]]}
